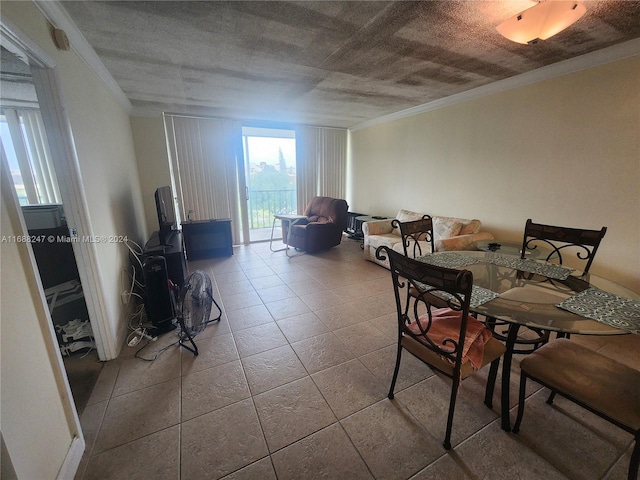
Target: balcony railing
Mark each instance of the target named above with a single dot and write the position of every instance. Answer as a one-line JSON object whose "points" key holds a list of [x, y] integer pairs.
{"points": [[264, 204]]}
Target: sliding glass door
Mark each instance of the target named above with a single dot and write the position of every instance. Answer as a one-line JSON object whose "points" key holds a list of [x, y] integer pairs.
{"points": [[270, 175]]}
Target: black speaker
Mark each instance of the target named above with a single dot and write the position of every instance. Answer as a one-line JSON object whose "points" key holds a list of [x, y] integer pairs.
{"points": [[158, 302]]}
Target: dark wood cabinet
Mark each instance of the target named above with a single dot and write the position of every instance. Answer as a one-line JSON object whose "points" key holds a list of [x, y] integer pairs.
{"points": [[207, 238]]}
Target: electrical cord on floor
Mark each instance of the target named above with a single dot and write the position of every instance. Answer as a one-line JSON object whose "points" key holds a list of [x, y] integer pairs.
{"points": [[88, 352], [156, 354], [138, 314], [137, 320], [140, 335], [139, 328]]}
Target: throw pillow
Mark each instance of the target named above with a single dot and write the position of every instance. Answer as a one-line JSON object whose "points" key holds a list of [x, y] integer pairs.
{"points": [[406, 216], [472, 226], [446, 227]]}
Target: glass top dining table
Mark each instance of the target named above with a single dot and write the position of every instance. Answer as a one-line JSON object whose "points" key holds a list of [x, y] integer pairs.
{"points": [[530, 299], [510, 248], [522, 298]]}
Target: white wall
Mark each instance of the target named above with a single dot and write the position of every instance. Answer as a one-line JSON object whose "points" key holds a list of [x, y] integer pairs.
{"points": [[152, 161], [564, 151]]}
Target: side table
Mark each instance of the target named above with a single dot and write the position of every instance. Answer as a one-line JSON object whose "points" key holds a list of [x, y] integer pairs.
{"points": [[358, 235], [292, 220]]}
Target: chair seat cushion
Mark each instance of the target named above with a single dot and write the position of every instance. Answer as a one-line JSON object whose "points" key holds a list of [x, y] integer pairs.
{"points": [[598, 382], [479, 347], [492, 350]]}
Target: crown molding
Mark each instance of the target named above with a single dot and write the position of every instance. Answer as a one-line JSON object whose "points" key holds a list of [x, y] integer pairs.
{"points": [[588, 60], [58, 16]]}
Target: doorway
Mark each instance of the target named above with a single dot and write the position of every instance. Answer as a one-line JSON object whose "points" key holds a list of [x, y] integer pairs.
{"points": [[270, 176], [24, 148]]}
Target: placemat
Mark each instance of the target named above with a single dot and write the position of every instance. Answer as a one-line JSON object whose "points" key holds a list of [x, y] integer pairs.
{"points": [[479, 295], [605, 307], [449, 260], [527, 265]]}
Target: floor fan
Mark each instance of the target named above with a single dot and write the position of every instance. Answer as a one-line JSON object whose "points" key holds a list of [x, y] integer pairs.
{"points": [[194, 308]]}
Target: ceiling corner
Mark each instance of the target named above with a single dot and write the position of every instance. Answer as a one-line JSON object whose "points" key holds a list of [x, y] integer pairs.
{"points": [[57, 15]]}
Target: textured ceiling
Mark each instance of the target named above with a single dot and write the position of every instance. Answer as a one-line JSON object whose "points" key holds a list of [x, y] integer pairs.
{"points": [[323, 63]]}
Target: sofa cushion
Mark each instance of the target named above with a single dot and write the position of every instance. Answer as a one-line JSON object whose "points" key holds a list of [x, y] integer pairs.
{"points": [[386, 240], [446, 227], [425, 248], [406, 216]]}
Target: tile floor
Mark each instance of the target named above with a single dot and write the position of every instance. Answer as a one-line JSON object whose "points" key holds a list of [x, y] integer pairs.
{"points": [[292, 384]]}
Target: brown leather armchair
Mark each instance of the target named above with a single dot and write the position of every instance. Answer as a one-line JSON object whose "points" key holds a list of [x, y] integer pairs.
{"points": [[323, 227]]}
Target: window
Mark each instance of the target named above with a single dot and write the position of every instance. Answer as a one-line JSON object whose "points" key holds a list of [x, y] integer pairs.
{"points": [[24, 145]]}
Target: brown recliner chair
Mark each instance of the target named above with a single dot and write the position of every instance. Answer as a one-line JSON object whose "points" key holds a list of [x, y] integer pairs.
{"points": [[323, 227]]}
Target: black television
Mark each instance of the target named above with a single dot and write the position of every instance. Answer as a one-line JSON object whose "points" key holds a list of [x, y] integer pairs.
{"points": [[165, 208]]}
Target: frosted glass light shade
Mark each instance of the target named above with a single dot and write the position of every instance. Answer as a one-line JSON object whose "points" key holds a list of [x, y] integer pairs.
{"points": [[541, 21]]}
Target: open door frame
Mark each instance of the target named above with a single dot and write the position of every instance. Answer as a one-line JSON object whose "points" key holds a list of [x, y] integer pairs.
{"points": [[65, 160]]}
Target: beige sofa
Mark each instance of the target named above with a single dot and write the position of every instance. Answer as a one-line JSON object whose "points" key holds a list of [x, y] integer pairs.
{"points": [[450, 233]]}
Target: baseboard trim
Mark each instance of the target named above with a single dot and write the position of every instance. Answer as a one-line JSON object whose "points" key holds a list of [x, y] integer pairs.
{"points": [[72, 460]]}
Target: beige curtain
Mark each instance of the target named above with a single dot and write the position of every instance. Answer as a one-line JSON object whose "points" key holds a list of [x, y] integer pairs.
{"points": [[321, 158], [204, 153]]}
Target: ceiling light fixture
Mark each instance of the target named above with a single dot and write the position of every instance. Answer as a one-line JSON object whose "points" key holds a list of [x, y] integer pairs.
{"points": [[543, 20]]}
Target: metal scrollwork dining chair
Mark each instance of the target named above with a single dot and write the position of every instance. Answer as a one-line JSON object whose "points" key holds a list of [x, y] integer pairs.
{"points": [[417, 236], [447, 339], [558, 244], [583, 244], [417, 240]]}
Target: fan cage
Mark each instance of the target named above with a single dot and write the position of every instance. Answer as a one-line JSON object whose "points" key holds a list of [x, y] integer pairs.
{"points": [[195, 302]]}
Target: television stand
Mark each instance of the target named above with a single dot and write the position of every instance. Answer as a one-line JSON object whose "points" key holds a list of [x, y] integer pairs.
{"points": [[208, 238]]}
